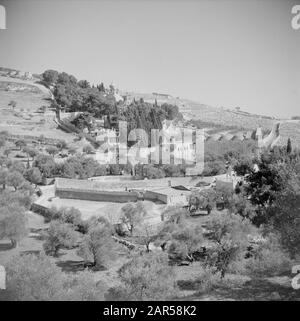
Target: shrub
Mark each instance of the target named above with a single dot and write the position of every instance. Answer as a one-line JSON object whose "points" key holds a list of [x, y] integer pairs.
{"points": [[243, 166], [87, 149], [20, 143], [3, 177], [152, 172], [205, 198], [61, 144], [2, 142], [36, 278], [215, 167], [205, 281], [8, 198], [15, 179], [98, 246], [17, 166], [52, 150], [68, 215], [230, 233], [172, 170], [145, 277], [59, 235], [132, 215], [174, 214], [31, 152], [12, 223], [34, 175], [184, 241], [285, 216], [72, 150], [268, 258], [46, 165]]}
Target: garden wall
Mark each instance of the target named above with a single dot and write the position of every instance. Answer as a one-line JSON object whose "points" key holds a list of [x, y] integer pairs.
{"points": [[40, 209], [99, 196], [154, 196]]}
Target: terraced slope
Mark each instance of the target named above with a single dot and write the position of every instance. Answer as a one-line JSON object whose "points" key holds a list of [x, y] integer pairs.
{"points": [[219, 119], [26, 119]]}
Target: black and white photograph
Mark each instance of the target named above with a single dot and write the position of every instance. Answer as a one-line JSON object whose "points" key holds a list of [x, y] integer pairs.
{"points": [[149, 151]]}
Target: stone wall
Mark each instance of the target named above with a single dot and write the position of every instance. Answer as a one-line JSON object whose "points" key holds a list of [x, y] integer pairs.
{"points": [[99, 196], [40, 209], [154, 196]]}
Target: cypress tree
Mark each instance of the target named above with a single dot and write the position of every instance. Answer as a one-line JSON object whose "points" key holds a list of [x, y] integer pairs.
{"points": [[289, 146]]}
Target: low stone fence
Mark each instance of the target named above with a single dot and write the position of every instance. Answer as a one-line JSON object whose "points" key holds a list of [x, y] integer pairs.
{"points": [[111, 178], [154, 196], [32, 139], [40, 209], [96, 195]]}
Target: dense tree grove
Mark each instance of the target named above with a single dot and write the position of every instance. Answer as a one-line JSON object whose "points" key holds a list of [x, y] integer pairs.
{"points": [[145, 116], [13, 205], [33, 277], [72, 95], [273, 191], [255, 234]]}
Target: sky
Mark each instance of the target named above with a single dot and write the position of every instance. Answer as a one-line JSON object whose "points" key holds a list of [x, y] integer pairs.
{"points": [[222, 53]]}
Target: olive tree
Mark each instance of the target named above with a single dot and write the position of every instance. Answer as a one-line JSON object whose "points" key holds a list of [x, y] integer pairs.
{"points": [[33, 277], [59, 235], [15, 179], [98, 246], [229, 234], [12, 223], [145, 277], [132, 215]]}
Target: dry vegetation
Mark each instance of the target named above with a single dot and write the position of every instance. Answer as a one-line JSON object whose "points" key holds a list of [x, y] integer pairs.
{"points": [[25, 118]]}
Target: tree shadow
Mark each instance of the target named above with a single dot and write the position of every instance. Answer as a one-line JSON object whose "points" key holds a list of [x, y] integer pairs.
{"points": [[71, 266], [253, 290], [77, 266], [6, 247], [35, 252]]}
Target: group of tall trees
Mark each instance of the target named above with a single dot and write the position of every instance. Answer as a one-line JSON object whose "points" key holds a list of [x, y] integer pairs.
{"points": [[72, 95], [273, 192], [16, 192]]}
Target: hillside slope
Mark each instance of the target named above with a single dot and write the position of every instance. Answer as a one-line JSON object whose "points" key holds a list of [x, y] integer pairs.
{"points": [[26, 118], [219, 120]]}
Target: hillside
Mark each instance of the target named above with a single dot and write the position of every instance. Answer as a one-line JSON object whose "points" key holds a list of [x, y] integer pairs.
{"points": [[27, 118], [221, 121], [219, 116], [32, 115]]}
